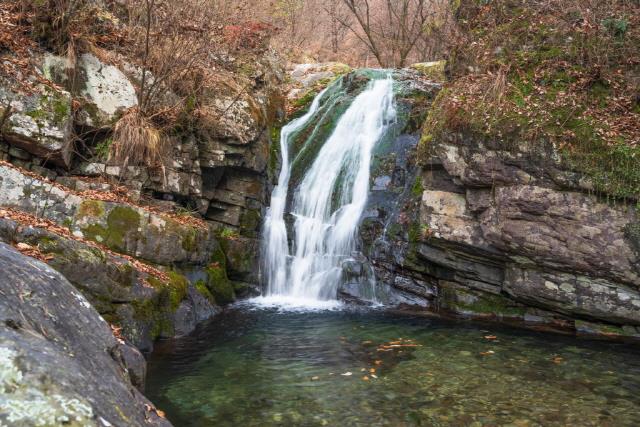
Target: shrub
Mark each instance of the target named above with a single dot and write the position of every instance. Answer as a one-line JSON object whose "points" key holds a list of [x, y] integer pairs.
{"points": [[136, 141]]}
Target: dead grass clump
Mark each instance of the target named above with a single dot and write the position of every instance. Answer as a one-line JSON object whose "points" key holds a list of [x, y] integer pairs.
{"points": [[136, 141]]}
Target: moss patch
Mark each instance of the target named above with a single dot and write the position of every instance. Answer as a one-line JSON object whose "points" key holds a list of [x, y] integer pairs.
{"points": [[122, 226], [462, 301], [219, 285], [202, 288]]}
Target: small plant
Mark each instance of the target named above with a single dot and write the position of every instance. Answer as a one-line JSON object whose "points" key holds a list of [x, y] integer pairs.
{"points": [[103, 148], [229, 234]]}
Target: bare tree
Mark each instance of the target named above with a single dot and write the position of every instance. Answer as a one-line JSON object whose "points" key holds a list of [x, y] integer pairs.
{"points": [[337, 16], [391, 29]]}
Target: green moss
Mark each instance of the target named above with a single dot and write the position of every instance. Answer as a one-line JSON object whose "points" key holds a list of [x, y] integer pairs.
{"points": [[305, 101], [417, 188], [123, 223], [219, 285], [218, 257], [249, 222], [432, 70], [201, 287], [177, 286], [61, 108], [157, 312], [228, 233], [274, 149], [190, 239], [457, 299]]}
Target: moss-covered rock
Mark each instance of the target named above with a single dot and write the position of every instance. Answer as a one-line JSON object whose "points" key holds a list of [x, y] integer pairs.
{"points": [[38, 122], [460, 300], [431, 70], [219, 284]]}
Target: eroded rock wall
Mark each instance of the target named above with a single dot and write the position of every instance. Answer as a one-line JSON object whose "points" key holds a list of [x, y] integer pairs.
{"points": [[515, 235]]}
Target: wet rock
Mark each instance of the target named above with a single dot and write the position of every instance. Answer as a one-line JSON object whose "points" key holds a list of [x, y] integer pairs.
{"points": [[135, 363], [52, 344], [195, 309]]}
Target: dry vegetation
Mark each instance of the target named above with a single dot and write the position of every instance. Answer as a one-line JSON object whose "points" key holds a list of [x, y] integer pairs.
{"points": [[556, 73]]}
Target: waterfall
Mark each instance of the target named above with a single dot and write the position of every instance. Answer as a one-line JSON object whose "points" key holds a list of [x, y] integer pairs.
{"points": [[328, 202]]}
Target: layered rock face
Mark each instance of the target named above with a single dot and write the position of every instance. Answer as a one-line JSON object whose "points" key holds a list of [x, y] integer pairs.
{"points": [[511, 235], [55, 138], [52, 344]]}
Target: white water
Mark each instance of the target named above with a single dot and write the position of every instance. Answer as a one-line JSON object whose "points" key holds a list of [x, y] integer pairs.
{"points": [[327, 204]]}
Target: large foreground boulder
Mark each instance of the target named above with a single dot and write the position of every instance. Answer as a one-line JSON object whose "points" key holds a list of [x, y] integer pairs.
{"points": [[59, 361]]}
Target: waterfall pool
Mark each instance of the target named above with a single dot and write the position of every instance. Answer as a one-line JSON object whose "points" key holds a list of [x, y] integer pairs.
{"points": [[255, 366]]}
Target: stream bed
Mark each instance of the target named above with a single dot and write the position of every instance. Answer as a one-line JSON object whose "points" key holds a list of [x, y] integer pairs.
{"points": [[263, 367]]}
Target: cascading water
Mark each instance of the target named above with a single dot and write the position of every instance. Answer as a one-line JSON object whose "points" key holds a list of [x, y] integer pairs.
{"points": [[328, 202]]}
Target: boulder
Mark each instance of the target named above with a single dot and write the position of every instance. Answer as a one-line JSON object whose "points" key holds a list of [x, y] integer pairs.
{"points": [[104, 90], [39, 122], [60, 362]]}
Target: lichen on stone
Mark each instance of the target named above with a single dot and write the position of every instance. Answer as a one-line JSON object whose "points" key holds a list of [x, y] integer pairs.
{"points": [[27, 403]]}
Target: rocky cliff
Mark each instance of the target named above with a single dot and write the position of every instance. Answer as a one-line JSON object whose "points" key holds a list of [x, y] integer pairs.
{"points": [[501, 235], [524, 203], [156, 248], [136, 251]]}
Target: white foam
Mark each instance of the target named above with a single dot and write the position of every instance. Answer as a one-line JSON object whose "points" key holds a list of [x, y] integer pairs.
{"points": [[291, 303]]}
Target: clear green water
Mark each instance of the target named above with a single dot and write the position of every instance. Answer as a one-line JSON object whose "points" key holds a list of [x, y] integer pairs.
{"points": [[264, 368]]}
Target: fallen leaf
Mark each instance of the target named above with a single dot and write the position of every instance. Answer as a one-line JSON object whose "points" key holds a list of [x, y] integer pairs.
{"points": [[365, 378], [490, 337], [372, 370], [315, 378], [347, 374]]}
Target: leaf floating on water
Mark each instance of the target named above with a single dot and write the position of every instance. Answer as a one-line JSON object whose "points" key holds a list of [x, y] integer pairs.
{"points": [[487, 353], [367, 342], [557, 360], [378, 362], [490, 337], [365, 378], [347, 374], [374, 376], [362, 369], [372, 370], [315, 378]]}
